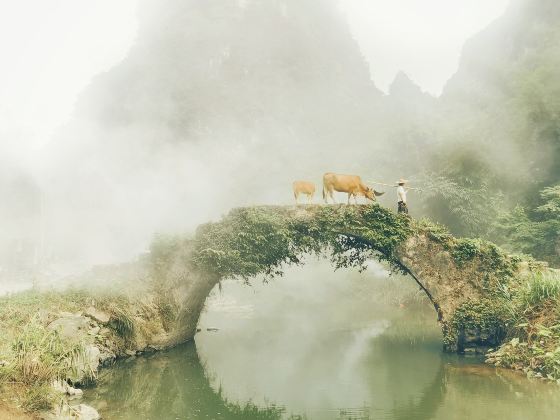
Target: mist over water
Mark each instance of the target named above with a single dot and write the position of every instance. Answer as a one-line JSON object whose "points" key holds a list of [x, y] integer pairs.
{"points": [[318, 336], [345, 346]]}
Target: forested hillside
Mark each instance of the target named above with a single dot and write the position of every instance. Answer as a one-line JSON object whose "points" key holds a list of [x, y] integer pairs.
{"points": [[219, 105], [497, 170]]}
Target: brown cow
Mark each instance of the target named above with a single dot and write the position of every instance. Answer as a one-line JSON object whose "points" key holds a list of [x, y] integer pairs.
{"points": [[304, 187], [351, 184]]}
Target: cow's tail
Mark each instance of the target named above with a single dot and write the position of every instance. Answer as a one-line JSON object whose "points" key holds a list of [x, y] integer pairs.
{"points": [[378, 193]]}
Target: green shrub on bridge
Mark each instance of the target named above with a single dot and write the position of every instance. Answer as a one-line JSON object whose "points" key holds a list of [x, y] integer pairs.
{"points": [[260, 240]]}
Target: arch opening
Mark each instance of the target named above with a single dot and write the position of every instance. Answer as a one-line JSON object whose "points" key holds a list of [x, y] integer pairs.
{"points": [[314, 324]]}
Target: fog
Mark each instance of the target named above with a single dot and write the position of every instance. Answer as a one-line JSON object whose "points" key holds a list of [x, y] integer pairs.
{"points": [[327, 322], [122, 120]]}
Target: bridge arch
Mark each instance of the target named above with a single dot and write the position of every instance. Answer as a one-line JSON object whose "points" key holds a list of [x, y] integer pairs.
{"points": [[460, 276]]}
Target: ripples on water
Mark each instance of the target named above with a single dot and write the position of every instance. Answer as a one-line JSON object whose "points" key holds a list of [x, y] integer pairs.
{"points": [[318, 345]]}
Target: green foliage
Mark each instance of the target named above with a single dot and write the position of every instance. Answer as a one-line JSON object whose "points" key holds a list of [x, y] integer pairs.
{"points": [[504, 144], [483, 315], [534, 327], [484, 318], [459, 192], [551, 199], [21, 308], [538, 288], [38, 357], [535, 232], [260, 240], [435, 231], [538, 357], [465, 250], [42, 356], [490, 258]]}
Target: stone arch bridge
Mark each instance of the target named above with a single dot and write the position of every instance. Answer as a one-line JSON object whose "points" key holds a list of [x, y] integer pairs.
{"points": [[462, 278]]}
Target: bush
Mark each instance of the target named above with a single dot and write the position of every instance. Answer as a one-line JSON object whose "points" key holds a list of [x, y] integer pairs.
{"points": [[534, 231], [465, 250]]}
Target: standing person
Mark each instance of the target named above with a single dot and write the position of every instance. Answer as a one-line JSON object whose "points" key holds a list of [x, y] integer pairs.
{"points": [[401, 196]]}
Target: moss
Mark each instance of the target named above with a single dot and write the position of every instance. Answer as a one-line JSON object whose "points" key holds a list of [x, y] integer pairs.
{"points": [[483, 315], [436, 232], [253, 241], [465, 250], [477, 322]]}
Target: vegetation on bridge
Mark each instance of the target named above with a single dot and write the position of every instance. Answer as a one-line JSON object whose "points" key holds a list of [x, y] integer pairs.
{"points": [[252, 241]]}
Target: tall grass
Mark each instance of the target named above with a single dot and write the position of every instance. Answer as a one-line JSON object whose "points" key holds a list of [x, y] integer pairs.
{"points": [[39, 357], [539, 288], [535, 317], [122, 318]]}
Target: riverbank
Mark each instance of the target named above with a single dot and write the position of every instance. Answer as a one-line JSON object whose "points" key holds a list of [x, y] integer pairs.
{"points": [[532, 343], [54, 342], [8, 412], [72, 334]]}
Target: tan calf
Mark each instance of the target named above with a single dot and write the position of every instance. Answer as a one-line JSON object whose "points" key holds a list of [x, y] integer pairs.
{"points": [[351, 184], [304, 187]]}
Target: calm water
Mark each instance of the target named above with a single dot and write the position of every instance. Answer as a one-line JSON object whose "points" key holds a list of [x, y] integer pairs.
{"points": [[318, 345]]}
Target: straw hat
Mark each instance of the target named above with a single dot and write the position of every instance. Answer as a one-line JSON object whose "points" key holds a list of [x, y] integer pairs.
{"points": [[402, 181]]}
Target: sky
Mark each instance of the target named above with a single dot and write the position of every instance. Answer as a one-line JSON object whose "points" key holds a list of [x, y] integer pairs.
{"points": [[423, 38], [52, 49], [50, 52]]}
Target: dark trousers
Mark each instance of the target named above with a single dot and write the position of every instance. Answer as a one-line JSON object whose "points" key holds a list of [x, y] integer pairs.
{"points": [[402, 207]]}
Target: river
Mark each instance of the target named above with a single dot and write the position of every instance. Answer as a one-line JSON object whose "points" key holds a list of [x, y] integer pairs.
{"points": [[318, 344]]}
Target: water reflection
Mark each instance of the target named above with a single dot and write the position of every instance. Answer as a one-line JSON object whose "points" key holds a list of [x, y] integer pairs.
{"points": [[339, 346], [170, 385]]}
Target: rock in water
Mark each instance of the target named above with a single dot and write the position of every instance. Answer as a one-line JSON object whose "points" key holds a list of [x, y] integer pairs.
{"points": [[85, 412], [67, 412], [64, 388]]}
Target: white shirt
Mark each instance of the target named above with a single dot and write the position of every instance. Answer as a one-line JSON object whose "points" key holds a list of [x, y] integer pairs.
{"points": [[401, 194]]}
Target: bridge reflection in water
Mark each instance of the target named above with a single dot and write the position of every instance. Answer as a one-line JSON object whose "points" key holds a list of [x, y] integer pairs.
{"points": [[287, 358], [174, 385]]}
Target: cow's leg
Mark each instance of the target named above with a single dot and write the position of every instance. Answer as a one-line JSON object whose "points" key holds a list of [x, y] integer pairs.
{"points": [[310, 198], [296, 195], [332, 195], [356, 199]]}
